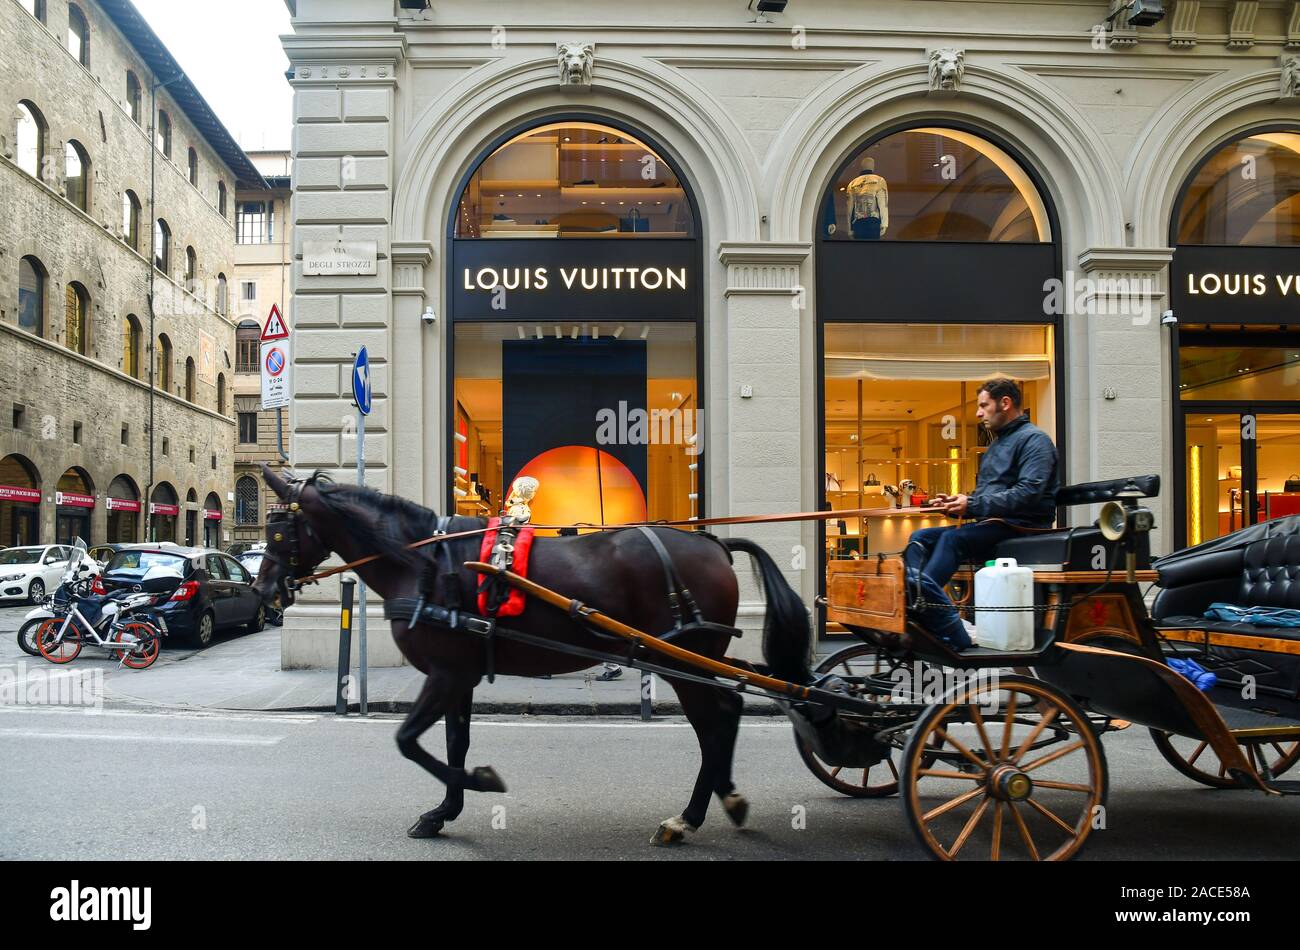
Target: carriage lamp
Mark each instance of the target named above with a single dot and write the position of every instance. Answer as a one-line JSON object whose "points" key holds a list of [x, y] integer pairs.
{"points": [[1123, 520]]}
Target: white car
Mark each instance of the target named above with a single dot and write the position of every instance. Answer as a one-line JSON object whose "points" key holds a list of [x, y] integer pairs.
{"points": [[29, 573]]}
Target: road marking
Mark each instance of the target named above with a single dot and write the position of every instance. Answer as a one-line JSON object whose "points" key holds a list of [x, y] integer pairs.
{"points": [[478, 723], [119, 737], [198, 716]]}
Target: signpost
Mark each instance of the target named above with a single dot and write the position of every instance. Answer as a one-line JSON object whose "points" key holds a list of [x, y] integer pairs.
{"points": [[361, 394], [275, 363]]}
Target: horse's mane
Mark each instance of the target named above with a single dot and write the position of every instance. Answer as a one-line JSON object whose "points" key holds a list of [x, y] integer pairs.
{"points": [[385, 524]]}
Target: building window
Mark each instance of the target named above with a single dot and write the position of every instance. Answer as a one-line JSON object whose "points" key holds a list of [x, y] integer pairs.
{"points": [[166, 446], [131, 220], [248, 428], [30, 140], [126, 434], [162, 242], [31, 296], [163, 135], [131, 347], [223, 295], [75, 308], [76, 433], [1223, 205], [163, 371], [78, 35], [77, 175], [221, 198], [253, 222], [19, 411], [246, 511], [133, 97], [248, 290], [192, 161], [191, 270], [36, 8], [247, 347], [189, 379]]}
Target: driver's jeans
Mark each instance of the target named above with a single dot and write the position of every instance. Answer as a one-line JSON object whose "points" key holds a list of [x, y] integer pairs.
{"points": [[932, 558]]}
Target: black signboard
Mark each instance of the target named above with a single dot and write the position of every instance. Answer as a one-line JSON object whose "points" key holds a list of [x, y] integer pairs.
{"points": [[575, 279], [1235, 284], [914, 280]]}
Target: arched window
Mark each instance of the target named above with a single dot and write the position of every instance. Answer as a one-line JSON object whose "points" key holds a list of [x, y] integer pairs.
{"points": [[31, 296], [192, 162], [163, 367], [78, 35], [191, 270], [131, 220], [221, 198], [223, 292], [36, 8], [162, 245], [76, 308], [189, 379], [1245, 193], [134, 104], [131, 346], [575, 180], [77, 175], [163, 134], [221, 393], [934, 184], [30, 140], [246, 509]]}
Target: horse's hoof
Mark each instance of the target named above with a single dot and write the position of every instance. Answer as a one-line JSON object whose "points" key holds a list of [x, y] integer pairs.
{"points": [[425, 827], [485, 779], [672, 831], [737, 807]]}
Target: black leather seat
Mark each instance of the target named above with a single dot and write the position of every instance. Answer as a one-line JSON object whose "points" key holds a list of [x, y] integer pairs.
{"points": [[1073, 549]]}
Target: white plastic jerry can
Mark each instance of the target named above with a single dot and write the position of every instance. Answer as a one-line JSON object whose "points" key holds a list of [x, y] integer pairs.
{"points": [[1004, 584]]}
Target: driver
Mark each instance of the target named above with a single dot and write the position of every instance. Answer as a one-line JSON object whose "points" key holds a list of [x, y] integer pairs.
{"points": [[1014, 491]]}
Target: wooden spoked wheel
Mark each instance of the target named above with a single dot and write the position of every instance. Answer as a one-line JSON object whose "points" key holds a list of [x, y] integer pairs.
{"points": [[142, 644], [54, 649], [1006, 768], [1195, 758], [876, 781]]}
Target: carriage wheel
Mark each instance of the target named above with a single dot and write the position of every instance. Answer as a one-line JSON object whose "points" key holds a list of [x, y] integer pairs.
{"points": [[1021, 773], [875, 781], [1196, 759]]}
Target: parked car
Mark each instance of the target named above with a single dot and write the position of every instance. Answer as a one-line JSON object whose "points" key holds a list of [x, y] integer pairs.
{"points": [[216, 592], [103, 553], [29, 572], [252, 561]]}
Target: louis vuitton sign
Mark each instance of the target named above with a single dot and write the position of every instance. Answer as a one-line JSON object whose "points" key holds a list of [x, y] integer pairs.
{"points": [[575, 279], [1236, 284]]}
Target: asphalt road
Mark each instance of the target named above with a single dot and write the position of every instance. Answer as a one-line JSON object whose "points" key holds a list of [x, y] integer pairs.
{"points": [[138, 785]]}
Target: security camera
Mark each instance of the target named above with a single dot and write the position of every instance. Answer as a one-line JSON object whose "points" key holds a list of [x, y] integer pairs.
{"points": [[428, 318], [1167, 319]]}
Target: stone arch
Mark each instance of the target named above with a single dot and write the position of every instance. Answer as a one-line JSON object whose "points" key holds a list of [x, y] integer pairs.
{"points": [[1173, 145], [1044, 132]]}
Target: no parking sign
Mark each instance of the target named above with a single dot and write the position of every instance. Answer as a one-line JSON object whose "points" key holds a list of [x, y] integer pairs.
{"points": [[274, 353]]}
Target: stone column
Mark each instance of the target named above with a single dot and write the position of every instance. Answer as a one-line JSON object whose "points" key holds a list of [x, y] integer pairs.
{"points": [[766, 459], [343, 178], [1118, 378], [412, 454]]}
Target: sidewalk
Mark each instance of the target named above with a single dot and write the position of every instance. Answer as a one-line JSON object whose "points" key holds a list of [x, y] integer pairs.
{"points": [[243, 672]]}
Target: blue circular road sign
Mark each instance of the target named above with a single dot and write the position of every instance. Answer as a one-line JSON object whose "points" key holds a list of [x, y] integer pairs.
{"points": [[361, 381]]}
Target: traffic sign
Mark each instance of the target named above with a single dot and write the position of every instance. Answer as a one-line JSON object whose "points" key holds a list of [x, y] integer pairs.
{"points": [[275, 327], [361, 381], [275, 374]]}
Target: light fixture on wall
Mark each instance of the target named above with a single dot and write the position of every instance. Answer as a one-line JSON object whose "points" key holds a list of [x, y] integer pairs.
{"points": [[413, 4], [763, 7], [1138, 12]]}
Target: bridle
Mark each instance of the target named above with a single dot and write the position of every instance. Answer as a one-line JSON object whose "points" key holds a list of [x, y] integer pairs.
{"points": [[292, 572]]}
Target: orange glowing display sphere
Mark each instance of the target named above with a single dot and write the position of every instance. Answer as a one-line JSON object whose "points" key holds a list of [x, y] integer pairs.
{"points": [[571, 491]]}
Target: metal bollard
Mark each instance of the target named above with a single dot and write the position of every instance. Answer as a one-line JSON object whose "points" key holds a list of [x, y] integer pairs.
{"points": [[647, 695], [346, 586]]}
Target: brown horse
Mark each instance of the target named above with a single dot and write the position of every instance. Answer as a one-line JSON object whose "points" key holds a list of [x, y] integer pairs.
{"points": [[617, 572]]}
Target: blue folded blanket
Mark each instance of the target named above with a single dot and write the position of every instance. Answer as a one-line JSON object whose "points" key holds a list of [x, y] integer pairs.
{"points": [[1259, 616], [1198, 674]]}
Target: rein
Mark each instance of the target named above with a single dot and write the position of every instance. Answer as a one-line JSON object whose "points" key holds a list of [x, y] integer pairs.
{"points": [[700, 522]]}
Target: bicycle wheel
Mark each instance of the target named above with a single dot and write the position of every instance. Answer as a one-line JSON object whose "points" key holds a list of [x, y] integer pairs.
{"points": [[142, 640], [57, 650]]}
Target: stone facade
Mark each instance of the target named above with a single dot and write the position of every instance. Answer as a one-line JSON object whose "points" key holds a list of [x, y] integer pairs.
{"points": [[392, 112], [91, 412]]}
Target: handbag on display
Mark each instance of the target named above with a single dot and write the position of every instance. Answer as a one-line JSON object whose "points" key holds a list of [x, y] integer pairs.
{"points": [[872, 485], [1292, 483], [633, 221]]}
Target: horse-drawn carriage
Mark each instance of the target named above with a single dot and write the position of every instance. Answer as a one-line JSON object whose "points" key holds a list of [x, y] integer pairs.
{"points": [[989, 763]]}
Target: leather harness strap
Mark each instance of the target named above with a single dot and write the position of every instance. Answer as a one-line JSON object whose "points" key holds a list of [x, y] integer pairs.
{"points": [[674, 582]]}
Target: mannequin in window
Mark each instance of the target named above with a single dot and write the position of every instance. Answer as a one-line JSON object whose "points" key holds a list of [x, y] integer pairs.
{"points": [[868, 203]]}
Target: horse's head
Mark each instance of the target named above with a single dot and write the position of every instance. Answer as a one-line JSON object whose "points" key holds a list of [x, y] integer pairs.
{"points": [[293, 547]]}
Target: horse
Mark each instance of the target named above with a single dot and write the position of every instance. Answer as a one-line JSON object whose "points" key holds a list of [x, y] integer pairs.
{"points": [[617, 572]]}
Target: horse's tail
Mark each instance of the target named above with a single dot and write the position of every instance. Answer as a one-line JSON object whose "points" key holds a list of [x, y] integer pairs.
{"points": [[787, 634]]}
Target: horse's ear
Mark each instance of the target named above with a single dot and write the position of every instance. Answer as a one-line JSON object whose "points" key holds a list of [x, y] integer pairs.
{"points": [[278, 484]]}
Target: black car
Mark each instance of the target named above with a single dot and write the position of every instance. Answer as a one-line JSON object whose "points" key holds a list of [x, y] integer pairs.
{"points": [[252, 561], [216, 592]]}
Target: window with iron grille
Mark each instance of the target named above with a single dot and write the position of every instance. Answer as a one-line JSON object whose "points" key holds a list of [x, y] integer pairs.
{"points": [[246, 501]]}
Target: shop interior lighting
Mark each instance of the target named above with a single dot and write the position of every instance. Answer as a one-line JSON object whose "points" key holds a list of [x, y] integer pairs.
{"points": [[520, 331], [537, 332], [645, 331], [618, 334]]}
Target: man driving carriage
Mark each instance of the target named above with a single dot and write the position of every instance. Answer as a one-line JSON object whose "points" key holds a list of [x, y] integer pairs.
{"points": [[1015, 491]]}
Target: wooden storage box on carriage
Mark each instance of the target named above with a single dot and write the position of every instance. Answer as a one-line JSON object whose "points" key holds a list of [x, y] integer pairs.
{"points": [[867, 593]]}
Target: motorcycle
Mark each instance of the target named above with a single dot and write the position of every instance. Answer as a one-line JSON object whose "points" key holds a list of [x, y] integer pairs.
{"points": [[123, 622]]}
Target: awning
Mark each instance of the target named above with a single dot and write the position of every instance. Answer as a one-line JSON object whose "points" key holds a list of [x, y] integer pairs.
{"points": [[121, 504], [210, 515], [157, 508], [13, 493], [74, 499]]}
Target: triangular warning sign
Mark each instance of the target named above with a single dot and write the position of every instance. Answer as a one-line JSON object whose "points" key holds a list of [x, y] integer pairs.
{"points": [[275, 328]]}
